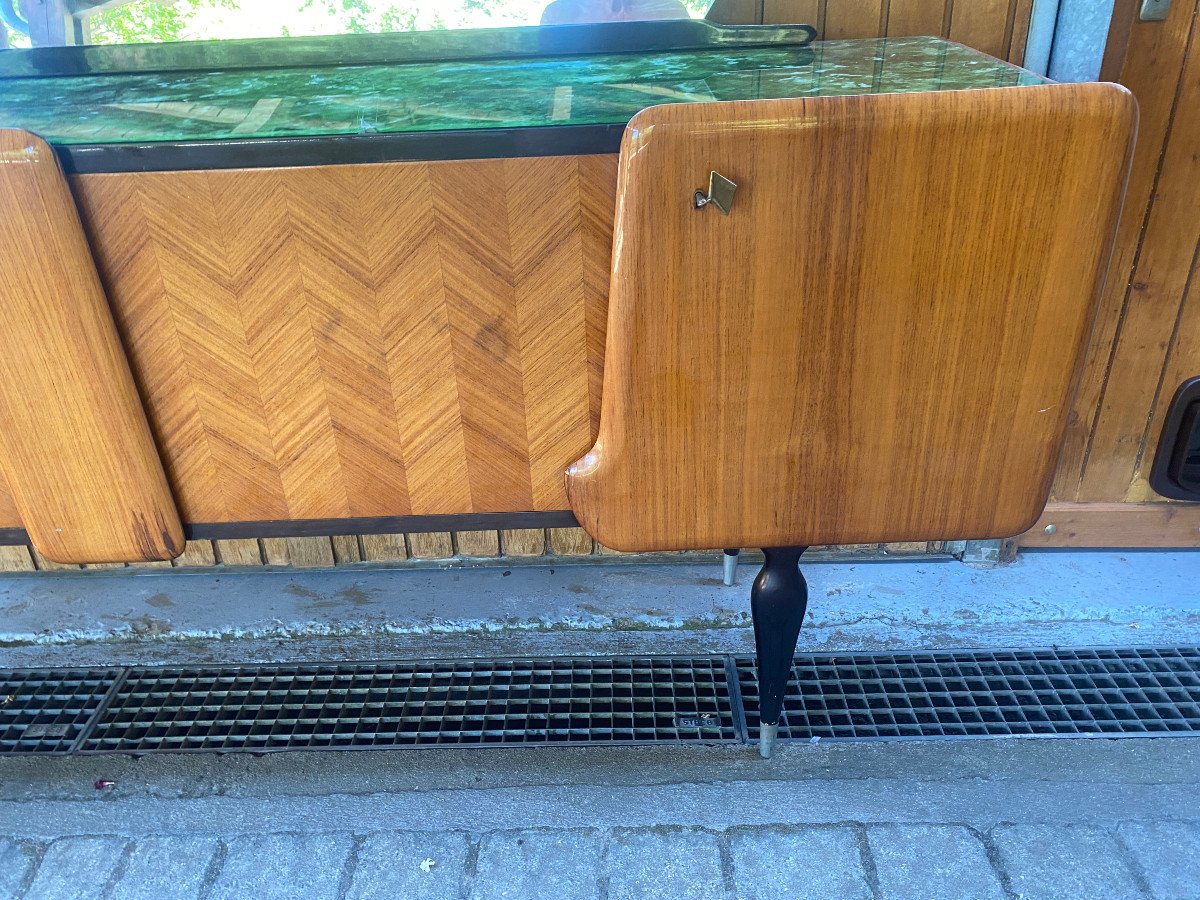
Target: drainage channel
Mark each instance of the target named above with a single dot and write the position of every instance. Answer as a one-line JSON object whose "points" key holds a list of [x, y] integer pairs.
{"points": [[1116, 692]]}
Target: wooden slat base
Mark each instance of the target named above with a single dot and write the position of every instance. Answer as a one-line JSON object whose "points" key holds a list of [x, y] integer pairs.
{"points": [[1116, 525]]}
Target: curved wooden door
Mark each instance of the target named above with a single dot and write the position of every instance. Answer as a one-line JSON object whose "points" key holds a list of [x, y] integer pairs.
{"points": [[75, 446], [878, 343]]}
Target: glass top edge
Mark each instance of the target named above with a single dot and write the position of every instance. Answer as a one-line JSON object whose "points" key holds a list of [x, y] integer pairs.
{"points": [[493, 96], [396, 48]]}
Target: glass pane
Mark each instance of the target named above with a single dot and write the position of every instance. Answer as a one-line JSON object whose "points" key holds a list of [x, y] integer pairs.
{"points": [[154, 21], [490, 93], [564, 12]]}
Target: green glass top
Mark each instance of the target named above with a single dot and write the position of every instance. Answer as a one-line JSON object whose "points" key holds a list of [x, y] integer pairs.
{"points": [[476, 94]]}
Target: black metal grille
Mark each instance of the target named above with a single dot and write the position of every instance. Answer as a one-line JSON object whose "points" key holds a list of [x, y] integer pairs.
{"points": [[1115, 693], [549, 701], [46, 711], [952, 694]]}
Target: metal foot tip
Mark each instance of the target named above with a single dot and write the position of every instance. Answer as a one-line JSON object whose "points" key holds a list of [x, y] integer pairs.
{"points": [[767, 734], [731, 564]]}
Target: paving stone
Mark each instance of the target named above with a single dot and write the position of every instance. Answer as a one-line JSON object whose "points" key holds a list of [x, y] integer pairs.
{"points": [[682, 864], [390, 867], [539, 865], [1056, 862], [16, 859], [76, 867], [1168, 855], [283, 867], [165, 868], [798, 864], [932, 862]]}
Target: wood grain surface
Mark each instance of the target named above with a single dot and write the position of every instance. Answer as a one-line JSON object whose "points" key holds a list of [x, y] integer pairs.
{"points": [[909, 17], [1152, 312], [1142, 323], [998, 27], [363, 340], [839, 19], [880, 343], [1116, 525], [77, 454]]}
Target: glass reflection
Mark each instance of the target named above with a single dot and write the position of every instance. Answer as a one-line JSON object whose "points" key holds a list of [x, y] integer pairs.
{"points": [[579, 12]]}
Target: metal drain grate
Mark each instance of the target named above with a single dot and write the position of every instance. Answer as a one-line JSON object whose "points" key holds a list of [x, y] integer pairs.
{"points": [[1114, 693], [46, 711], [548, 701], [952, 694]]}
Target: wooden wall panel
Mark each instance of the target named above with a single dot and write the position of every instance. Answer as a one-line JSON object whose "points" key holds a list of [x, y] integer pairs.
{"points": [[392, 339], [1116, 525], [908, 17], [736, 12], [793, 12], [983, 24], [998, 27], [1147, 340], [1022, 14], [845, 19], [1135, 394], [1153, 71]]}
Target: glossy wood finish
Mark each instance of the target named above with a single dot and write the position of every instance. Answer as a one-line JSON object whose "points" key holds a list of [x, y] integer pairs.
{"points": [[839, 19], [374, 340], [77, 454], [780, 376]]}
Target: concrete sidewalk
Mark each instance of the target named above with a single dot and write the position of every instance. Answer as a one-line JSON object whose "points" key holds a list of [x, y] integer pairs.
{"points": [[1044, 599], [997, 819]]}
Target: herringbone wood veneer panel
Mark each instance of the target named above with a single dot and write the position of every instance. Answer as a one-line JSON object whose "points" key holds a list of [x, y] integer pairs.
{"points": [[362, 340]]}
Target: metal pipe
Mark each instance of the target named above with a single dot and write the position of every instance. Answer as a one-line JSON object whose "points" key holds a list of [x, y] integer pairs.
{"points": [[1040, 42]]}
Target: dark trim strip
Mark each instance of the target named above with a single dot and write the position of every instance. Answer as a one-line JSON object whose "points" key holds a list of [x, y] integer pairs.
{"points": [[341, 149], [13, 536], [395, 47], [381, 525], [220, 531]]}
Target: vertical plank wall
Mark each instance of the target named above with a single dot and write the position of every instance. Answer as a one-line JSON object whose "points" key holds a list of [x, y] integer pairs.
{"points": [[1148, 338], [995, 26], [998, 27]]}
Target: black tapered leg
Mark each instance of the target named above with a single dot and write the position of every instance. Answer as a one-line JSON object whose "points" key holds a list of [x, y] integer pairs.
{"points": [[778, 601]]}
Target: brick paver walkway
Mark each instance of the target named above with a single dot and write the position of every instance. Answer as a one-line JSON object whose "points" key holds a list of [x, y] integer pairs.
{"points": [[895, 862]]}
